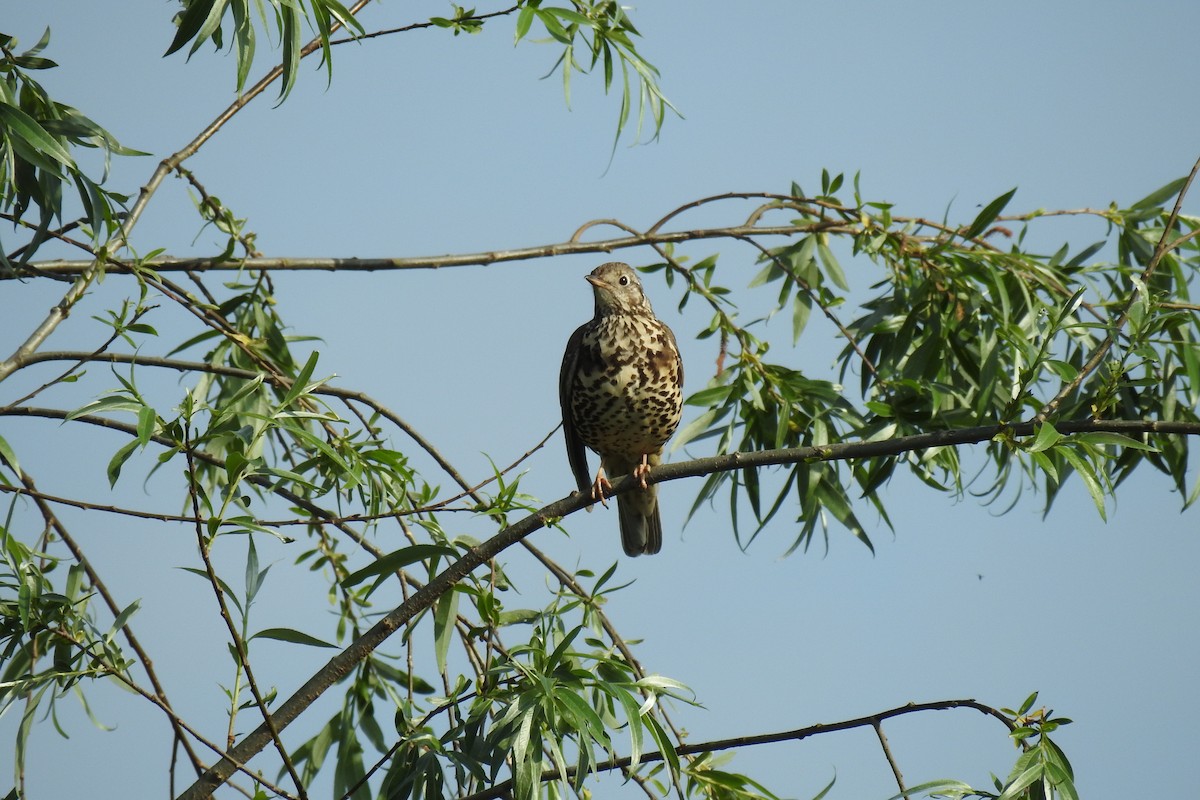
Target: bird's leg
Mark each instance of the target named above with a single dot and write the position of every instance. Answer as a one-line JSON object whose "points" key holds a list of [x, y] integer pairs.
{"points": [[600, 486], [639, 472]]}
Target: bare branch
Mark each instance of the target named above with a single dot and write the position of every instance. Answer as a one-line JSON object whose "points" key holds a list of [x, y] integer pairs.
{"points": [[887, 753], [168, 264]]}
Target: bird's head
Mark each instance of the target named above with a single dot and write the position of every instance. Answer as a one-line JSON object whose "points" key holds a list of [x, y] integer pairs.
{"points": [[617, 290]]}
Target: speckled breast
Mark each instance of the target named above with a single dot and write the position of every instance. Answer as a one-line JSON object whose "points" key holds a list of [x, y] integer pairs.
{"points": [[627, 395]]}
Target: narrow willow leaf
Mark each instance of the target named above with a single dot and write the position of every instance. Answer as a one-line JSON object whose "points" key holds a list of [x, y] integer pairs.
{"points": [[1089, 477], [444, 615], [524, 21], [832, 268], [7, 456], [292, 636], [118, 460], [21, 129], [145, 426], [988, 215], [123, 618], [665, 746], [1018, 784], [192, 20], [1047, 436], [1106, 438], [397, 560], [801, 310], [301, 383], [636, 725], [1160, 195]]}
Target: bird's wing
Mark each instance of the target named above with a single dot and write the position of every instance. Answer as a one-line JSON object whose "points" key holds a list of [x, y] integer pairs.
{"points": [[576, 452], [678, 355]]}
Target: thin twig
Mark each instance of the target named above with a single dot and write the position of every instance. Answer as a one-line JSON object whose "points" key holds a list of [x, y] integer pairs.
{"points": [[887, 753], [158, 701], [203, 542], [101, 589]]}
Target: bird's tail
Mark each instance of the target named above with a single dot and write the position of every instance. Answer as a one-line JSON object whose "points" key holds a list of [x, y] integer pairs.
{"points": [[641, 528]]}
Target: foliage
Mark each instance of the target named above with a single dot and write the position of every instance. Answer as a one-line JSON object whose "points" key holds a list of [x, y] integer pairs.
{"points": [[961, 332], [37, 135], [488, 693]]}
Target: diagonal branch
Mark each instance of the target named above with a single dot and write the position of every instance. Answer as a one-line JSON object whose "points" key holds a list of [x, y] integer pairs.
{"points": [[341, 664]]}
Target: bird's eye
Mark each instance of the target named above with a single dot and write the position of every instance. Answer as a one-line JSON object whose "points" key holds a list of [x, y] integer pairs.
{"points": [[624, 281]]}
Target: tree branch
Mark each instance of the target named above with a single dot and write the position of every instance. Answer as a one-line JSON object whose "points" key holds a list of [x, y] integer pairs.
{"points": [[169, 264], [341, 664], [503, 788]]}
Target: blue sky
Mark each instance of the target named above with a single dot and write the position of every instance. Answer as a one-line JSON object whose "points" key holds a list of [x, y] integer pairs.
{"points": [[427, 144]]}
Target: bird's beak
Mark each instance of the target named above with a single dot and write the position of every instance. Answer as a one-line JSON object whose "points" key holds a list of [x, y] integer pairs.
{"points": [[594, 281]]}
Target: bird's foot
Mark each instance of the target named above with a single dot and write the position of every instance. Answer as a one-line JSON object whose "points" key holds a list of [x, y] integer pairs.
{"points": [[600, 487], [640, 471]]}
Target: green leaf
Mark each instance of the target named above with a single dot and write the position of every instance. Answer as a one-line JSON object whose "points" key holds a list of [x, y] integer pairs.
{"points": [[301, 383], [123, 618], [520, 616], [524, 22], [1020, 782], [24, 130], [194, 17], [1045, 438], [664, 743], [118, 460], [801, 310], [1115, 439], [988, 215], [1160, 195], [636, 725], [832, 268], [444, 614], [292, 46], [1089, 476], [292, 636], [398, 560], [145, 426], [7, 456]]}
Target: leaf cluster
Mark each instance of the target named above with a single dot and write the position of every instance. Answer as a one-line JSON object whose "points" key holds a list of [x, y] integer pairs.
{"points": [[604, 32], [38, 140], [234, 23], [956, 331]]}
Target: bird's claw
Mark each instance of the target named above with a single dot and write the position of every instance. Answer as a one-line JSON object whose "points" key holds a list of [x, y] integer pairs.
{"points": [[600, 487], [640, 472]]}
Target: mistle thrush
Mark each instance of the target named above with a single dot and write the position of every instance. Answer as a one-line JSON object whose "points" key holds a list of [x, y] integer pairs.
{"points": [[621, 391]]}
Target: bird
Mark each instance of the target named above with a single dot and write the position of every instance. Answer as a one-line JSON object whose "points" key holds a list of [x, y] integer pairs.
{"points": [[621, 393]]}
